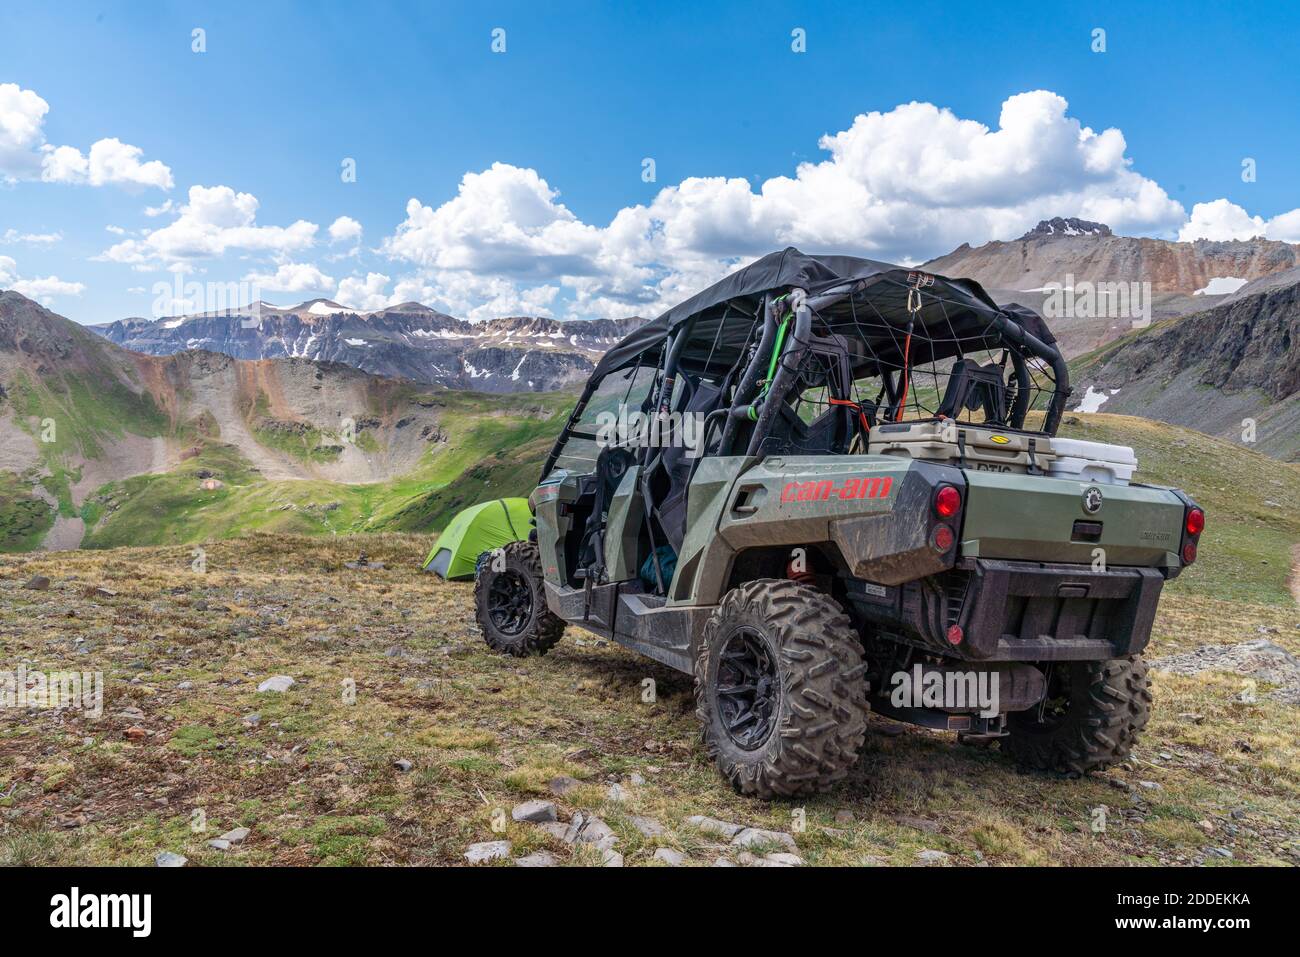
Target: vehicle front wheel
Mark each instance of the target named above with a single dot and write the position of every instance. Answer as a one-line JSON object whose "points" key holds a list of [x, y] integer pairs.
{"points": [[510, 603], [1088, 720], [780, 689]]}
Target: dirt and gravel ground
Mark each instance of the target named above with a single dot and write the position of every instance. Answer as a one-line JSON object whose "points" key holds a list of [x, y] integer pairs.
{"points": [[442, 740]]}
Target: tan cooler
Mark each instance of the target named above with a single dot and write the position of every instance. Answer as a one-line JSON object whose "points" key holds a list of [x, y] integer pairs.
{"points": [[974, 447]]}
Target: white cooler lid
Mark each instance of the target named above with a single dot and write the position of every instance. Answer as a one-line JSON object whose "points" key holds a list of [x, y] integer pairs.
{"points": [[1097, 451]]}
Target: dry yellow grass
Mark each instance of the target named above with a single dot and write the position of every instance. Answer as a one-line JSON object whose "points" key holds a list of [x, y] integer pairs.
{"points": [[314, 777]]}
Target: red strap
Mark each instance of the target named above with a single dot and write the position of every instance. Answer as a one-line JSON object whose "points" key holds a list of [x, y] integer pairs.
{"points": [[862, 416], [902, 402]]}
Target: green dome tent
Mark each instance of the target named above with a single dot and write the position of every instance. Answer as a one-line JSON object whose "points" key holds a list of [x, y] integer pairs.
{"points": [[478, 529]]}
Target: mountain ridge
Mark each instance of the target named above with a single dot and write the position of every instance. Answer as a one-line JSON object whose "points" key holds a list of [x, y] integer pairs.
{"points": [[409, 340], [1232, 370], [91, 430]]}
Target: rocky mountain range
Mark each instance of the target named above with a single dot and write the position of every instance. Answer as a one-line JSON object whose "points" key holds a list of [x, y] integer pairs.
{"points": [[1232, 370], [86, 425], [411, 340], [1149, 280], [1160, 279]]}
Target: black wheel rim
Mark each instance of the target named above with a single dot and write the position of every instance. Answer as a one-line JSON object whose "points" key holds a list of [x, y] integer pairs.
{"points": [[747, 689], [510, 602]]}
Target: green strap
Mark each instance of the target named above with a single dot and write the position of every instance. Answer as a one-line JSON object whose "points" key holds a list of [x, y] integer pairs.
{"points": [[776, 352]]}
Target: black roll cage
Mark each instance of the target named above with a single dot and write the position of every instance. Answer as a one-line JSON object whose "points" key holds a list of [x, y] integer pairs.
{"points": [[798, 305]]}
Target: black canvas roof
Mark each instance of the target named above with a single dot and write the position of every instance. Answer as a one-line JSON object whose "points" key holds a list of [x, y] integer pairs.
{"points": [[956, 315]]}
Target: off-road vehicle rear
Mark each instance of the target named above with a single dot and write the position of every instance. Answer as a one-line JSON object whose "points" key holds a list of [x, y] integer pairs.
{"points": [[826, 486]]}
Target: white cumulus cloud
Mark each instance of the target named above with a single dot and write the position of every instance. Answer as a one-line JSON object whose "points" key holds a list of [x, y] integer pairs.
{"points": [[1224, 220], [44, 290], [291, 277], [363, 295], [215, 220], [345, 229], [110, 161], [22, 114], [903, 185], [24, 154], [13, 237]]}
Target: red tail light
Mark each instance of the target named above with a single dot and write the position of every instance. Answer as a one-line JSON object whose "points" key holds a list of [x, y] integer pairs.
{"points": [[942, 538], [1193, 525], [947, 501]]}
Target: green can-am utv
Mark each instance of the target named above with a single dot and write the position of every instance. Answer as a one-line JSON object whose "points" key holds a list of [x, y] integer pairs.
{"points": [[827, 485]]}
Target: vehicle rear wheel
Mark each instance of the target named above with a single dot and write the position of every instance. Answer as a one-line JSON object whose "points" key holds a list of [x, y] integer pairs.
{"points": [[780, 689], [510, 603], [1088, 720]]}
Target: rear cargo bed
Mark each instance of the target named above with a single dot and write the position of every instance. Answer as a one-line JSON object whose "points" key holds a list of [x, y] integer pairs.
{"points": [[1042, 519]]}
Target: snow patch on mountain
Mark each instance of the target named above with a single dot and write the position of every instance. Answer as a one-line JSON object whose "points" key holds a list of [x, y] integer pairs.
{"points": [[1221, 286]]}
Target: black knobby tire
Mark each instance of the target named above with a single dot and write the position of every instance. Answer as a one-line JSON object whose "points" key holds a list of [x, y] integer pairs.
{"points": [[1094, 712], [816, 700], [510, 604]]}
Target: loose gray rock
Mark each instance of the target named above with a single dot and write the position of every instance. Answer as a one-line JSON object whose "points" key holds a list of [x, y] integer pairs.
{"points": [[557, 830], [277, 683], [253, 719], [576, 824], [403, 765], [1149, 785], [219, 845], [595, 831], [1221, 852], [710, 825], [168, 859], [185, 686], [563, 785], [538, 812], [785, 860], [487, 851], [670, 857], [635, 779], [235, 836], [649, 827], [753, 860], [929, 858], [752, 836], [610, 858], [38, 583], [1258, 658], [920, 824], [615, 792], [536, 859]]}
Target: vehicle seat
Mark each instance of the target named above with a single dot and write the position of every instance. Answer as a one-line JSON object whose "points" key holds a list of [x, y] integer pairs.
{"points": [[670, 510], [972, 387]]}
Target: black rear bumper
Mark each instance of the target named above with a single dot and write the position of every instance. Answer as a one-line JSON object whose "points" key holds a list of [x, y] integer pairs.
{"points": [[1020, 611]]}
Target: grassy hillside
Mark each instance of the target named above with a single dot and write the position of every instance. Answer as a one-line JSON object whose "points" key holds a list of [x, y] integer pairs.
{"points": [[313, 775], [1249, 498], [24, 519], [494, 447], [71, 421]]}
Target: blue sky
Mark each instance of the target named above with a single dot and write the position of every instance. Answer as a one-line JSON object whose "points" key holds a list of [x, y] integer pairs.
{"points": [[561, 220]]}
